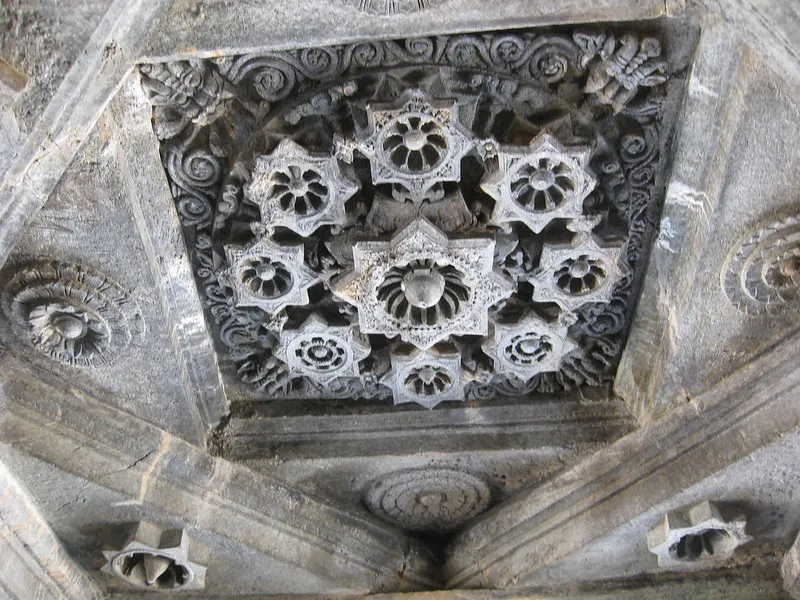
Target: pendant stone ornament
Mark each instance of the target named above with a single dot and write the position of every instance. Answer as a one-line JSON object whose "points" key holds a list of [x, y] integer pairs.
{"points": [[539, 183], [426, 378], [156, 559], [72, 313], [299, 190], [268, 275], [323, 352], [424, 286], [528, 347], [575, 274], [443, 192], [416, 142]]}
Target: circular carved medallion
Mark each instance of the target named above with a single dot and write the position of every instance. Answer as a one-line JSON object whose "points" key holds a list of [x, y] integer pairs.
{"points": [[73, 314], [436, 500], [385, 8], [763, 270]]}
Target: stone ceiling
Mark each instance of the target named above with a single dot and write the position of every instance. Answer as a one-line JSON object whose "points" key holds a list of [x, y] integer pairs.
{"points": [[389, 296]]}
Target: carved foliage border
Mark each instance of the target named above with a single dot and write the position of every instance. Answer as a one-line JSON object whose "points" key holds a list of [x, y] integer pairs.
{"points": [[195, 158]]}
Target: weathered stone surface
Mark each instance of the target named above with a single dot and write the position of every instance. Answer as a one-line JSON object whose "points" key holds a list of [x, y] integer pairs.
{"points": [[790, 569], [152, 472], [34, 563], [529, 532]]}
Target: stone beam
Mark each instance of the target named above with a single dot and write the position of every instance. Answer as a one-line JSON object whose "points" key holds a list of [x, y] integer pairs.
{"points": [[208, 28], [790, 569], [531, 426], [743, 584], [34, 565], [712, 108], [74, 109], [746, 410], [771, 27], [158, 226], [172, 479]]}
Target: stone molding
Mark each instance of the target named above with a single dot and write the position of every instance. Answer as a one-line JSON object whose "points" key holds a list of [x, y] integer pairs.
{"points": [[34, 563], [540, 424], [141, 463], [537, 527], [710, 115], [159, 228]]}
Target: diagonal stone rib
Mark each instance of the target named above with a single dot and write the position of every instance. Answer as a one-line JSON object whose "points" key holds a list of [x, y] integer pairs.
{"points": [[743, 412], [81, 436]]}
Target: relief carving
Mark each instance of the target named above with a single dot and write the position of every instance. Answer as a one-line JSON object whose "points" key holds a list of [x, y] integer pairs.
{"points": [[428, 500], [762, 273], [424, 198], [71, 313]]}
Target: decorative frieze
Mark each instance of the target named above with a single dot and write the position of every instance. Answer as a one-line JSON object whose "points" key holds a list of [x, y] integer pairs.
{"points": [[428, 500], [72, 313], [438, 192]]}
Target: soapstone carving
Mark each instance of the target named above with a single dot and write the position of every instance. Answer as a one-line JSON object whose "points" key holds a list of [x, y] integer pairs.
{"points": [[298, 190], [424, 286], [427, 191], [425, 377], [435, 500], [696, 537], [156, 559], [762, 273], [72, 313], [322, 352], [540, 182]]}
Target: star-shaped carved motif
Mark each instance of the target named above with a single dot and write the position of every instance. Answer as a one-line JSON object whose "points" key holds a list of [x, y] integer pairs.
{"points": [[578, 273], [416, 142], [528, 347], [322, 352], [426, 378], [424, 286], [301, 191], [268, 275], [540, 182]]}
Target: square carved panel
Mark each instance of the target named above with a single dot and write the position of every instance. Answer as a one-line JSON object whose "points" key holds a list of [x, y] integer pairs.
{"points": [[425, 221]]}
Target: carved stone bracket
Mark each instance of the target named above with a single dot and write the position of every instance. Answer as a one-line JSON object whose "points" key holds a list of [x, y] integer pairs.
{"points": [[156, 559]]}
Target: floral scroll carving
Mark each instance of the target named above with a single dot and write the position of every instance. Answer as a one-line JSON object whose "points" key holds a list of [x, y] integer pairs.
{"points": [[417, 202]]}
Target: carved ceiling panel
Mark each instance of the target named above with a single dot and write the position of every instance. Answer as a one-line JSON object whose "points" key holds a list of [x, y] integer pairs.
{"points": [[418, 221]]}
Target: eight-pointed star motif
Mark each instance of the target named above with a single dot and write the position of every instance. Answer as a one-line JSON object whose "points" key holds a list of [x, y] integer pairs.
{"points": [[528, 347], [416, 142], [540, 182], [424, 286], [426, 378], [268, 275], [301, 191], [322, 352], [578, 273]]}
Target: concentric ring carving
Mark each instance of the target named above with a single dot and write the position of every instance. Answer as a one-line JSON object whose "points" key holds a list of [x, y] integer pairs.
{"points": [[428, 500], [762, 273], [72, 314]]}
